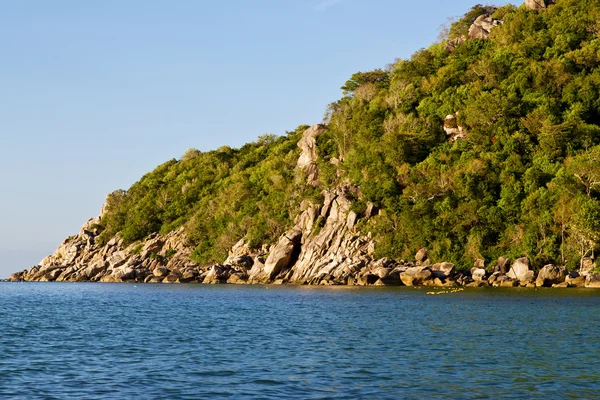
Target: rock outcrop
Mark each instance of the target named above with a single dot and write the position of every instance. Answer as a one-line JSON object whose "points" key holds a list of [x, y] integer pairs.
{"points": [[416, 276], [482, 26], [282, 255], [479, 29], [539, 4], [452, 44], [453, 130], [520, 270], [307, 162], [592, 281], [551, 275]]}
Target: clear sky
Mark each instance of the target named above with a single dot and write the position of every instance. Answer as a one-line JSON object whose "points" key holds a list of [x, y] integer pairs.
{"points": [[93, 94]]}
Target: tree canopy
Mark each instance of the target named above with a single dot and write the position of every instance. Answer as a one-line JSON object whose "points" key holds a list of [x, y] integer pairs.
{"points": [[525, 181]]}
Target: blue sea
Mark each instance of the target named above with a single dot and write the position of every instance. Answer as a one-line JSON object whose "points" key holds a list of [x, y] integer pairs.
{"points": [[128, 341]]}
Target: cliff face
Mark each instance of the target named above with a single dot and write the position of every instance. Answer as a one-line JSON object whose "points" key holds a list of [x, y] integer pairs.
{"points": [[321, 247]]}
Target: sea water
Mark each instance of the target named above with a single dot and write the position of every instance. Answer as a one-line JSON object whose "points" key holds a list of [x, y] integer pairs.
{"points": [[134, 341]]}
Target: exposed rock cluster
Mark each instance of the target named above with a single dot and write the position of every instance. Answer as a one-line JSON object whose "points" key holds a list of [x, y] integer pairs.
{"points": [[539, 4], [479, 29], [323, 247], [482, 26], [453, 130], [307, 161]]}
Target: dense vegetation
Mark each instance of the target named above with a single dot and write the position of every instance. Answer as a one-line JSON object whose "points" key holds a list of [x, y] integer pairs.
{"points": [[526, 181], [221, 196]]}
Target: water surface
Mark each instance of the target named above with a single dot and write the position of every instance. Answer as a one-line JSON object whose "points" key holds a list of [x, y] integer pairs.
{"points": [[125, 341]]}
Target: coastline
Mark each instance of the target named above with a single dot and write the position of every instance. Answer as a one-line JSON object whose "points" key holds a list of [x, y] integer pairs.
{"points": [[323, 247]]}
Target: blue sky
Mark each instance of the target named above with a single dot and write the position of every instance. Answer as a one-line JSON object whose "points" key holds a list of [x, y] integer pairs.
{"points": [[96, 93]]}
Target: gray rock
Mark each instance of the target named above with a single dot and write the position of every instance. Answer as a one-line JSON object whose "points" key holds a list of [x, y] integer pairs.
{"points": [[502, 266], [368, 279], [551, 275], [520, 270], [240, 249], [443, 270], [421, 255], [478, 274], [238, 278], [282, 255], [244, 262], [18, 276], [587, 266], [152, 246], [371, 210], [592, 281], [539, 4], [482, 26], [188, 276], [308, 158], [161, 272], [171, 278], [575, 280], [505, 281], [217, 274], [416, 276]]}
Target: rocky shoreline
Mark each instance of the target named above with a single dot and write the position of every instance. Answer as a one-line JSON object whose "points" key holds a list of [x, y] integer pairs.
{"points": [[308, 254], [323, 247]]}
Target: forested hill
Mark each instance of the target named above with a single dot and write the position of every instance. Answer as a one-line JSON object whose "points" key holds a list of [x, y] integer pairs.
{"points": [[485, 144]]}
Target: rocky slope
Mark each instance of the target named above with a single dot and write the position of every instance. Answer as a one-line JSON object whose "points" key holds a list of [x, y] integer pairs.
{"points": [[322, 248], [323, 245]]}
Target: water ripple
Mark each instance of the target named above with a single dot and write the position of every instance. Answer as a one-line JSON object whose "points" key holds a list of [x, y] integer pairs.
{"points": [[97, 341]]}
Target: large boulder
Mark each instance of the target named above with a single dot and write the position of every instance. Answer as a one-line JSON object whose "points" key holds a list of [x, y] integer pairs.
{"points": [[502, 265], [367, 279], [478, 274], [507, 282], [528, 280], [520, 270], [539, 4], [91, 271], [307, 161], [416, 276], [240, 249], [152, 247], [238, 278], [421, 255], [551, 275], [592, 281], [282, 255], [243, 262], [161, 272], [18, 276], [575, 280], [443, 270], [217, 274], [482, 26], [189, 276], [387, 276], [587, 266]]}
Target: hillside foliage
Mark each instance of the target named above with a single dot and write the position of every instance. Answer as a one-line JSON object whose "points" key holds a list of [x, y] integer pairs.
{"points": [[525, 181]]}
